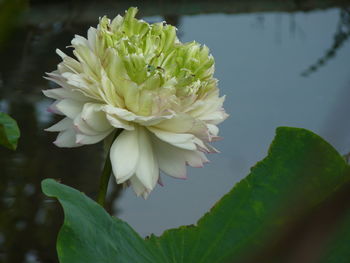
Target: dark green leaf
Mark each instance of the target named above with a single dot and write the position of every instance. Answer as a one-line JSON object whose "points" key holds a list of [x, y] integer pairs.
{"points": [[338, 248], [300, 172], [89, 234], [9, 131]]}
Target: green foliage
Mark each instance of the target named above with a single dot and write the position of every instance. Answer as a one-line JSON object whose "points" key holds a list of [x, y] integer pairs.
{"points": [[299, 173], [10, 12], [9, 132]]}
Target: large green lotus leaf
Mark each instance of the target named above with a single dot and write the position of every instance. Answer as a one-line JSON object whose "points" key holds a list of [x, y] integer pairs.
{"points": [[299, 173], [9, 132]]}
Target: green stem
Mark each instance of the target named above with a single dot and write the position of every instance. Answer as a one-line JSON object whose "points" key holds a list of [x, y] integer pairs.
{"points": [[106, 174]]}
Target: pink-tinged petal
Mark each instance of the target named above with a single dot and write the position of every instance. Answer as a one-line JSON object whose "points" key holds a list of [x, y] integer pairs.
{"points": [[66, 139], [91, 139], [125, 155], [209, 149], [53, 109], [180, 140], [147, 169], [62, 125], [82, 127], [170, 159], [160, 181], [70, 108]]}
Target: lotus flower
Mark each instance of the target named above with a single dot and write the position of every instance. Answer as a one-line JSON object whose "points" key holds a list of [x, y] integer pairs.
{"points": [[138, 77]]}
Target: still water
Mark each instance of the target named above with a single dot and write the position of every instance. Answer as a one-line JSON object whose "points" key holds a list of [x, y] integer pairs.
{"points": [[276, 68]]}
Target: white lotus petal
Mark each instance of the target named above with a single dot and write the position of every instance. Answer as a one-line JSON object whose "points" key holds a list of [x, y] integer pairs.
{"points": [[195, 158], [57, 94], [213, 129], [147, 169], [109, 91], [82, 127], [62, 93], [215, 117], [92, 34], [60, 53], [118, 123], [53, 109], [62, 125], [129, 116], [138, 187], [209, 109], [70, 108], [181, 140], [75, 80], [91, 139], [79, 40], [66, 139], [184, 123], [90, 63], [59, 79], [73, 65], [180, 123], [208, 148], [93, 115], [171, 159], [124, 155]]}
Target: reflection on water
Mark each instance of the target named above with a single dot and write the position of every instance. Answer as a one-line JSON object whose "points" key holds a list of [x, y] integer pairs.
{"points": [[341, 36], [28, 221]]}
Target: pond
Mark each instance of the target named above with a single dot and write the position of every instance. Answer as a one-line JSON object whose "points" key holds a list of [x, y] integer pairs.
{"points": [[277, 64]]}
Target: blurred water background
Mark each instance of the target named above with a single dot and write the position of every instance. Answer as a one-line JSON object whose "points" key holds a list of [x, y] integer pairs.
{"points": [[279, 63]]}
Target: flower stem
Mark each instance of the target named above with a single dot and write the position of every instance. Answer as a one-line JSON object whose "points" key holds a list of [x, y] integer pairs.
{"points": [[106, 174]]}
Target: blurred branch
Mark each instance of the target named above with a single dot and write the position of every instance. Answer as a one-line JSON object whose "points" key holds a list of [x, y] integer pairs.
{"points": [[341, 36]]}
